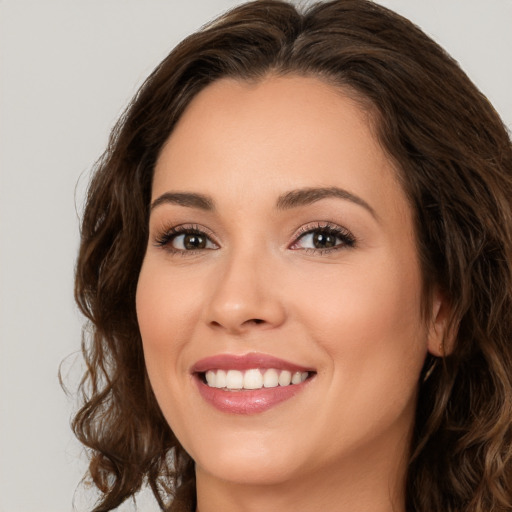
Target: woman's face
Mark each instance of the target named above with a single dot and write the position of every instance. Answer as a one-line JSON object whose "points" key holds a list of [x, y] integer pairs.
{"points": [[281, 247]]}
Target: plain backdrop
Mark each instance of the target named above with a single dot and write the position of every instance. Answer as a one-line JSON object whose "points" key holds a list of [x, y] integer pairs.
{"points": [[67, 69]]}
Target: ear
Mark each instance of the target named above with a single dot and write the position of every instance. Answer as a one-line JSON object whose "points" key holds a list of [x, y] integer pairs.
{"points": [[441, 339]]}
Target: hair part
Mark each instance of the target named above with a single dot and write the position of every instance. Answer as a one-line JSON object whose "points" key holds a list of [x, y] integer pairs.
{"points": [[453, 157]]}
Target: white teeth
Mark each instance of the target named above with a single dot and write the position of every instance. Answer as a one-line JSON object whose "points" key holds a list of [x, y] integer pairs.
{"points": [[285, 377], [271, 378], [253, 378], [296, 378], [234, 379], [211, 378], [220, 381]]}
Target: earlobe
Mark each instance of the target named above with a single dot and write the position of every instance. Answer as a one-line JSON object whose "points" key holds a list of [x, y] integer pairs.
{"points": [[440, 336]]}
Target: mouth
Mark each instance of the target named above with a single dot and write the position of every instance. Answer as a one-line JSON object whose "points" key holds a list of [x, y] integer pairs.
{"points": [[254, 378], [250, 383]]}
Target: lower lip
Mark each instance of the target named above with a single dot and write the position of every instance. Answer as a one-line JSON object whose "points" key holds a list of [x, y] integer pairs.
{"points": [[248, 401]]}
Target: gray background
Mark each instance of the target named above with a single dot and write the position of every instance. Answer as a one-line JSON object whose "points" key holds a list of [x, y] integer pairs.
{"points": [[67, 69]]}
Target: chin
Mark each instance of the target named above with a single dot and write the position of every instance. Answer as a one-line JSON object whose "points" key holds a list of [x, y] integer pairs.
{"points": [[247, 461], [254, 471]]}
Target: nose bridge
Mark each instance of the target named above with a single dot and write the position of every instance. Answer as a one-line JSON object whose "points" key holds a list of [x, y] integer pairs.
{"points": [[245, 295]]}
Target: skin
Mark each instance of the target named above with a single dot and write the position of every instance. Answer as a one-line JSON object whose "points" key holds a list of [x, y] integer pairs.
{"points": [[353, 313]]}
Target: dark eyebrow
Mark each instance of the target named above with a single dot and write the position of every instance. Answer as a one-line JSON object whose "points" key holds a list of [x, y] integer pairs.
{"points": [[184, 199], [305, 196], [292, 199]]}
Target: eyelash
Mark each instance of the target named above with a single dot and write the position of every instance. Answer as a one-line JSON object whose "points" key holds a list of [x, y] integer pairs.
{"points": [[165, 239], [344, 235]]}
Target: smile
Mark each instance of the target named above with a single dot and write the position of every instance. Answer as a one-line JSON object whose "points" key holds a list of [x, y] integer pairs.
{"points": [[249, 384], [254, 378]]}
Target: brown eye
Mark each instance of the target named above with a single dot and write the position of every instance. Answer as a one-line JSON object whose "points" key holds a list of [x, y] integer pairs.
{"points": [[191, 241], [323, 240], [182, 240]]}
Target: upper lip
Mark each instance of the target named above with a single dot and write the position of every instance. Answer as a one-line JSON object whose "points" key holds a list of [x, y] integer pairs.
{"points": [[246, 362]]}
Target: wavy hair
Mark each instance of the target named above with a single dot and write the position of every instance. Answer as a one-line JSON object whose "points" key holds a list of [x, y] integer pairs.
{"points": [[453, 156]]}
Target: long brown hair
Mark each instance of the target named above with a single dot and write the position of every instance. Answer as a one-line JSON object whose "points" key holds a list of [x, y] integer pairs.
{"points": [[454, 159]]}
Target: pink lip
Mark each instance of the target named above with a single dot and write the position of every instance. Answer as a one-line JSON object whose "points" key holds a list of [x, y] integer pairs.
{"points": [[245, 362], [246, 401]]}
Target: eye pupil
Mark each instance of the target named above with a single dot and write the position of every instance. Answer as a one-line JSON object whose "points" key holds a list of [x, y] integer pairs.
{"points": [[194, 241], [323, 240]]}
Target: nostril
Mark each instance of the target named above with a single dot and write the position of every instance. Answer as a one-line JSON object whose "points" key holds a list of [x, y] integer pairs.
{"points": [[253, 321], [238, 327]]}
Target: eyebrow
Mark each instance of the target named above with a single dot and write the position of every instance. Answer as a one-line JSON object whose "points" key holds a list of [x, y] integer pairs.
{"points": [[188, 199], [305, 196], [286, 201]]}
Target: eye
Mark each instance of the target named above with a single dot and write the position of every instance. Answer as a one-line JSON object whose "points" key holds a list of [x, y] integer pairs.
{"points": [[185, 239], [191, 242], [323, 238]]}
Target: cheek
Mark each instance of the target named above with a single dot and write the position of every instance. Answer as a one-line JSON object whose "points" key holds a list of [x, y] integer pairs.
{"points": [[367, 320], [370, 329], [369, 298], [166, 317]]}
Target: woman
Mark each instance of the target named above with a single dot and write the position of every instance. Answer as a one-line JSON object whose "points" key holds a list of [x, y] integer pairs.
{"points": [[296, 260]]}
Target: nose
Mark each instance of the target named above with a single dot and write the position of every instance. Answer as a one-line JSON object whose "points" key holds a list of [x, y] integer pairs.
{"points": [[245, 295]]}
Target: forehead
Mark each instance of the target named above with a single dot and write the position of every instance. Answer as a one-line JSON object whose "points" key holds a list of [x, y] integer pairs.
{"points": [[276, 134]]}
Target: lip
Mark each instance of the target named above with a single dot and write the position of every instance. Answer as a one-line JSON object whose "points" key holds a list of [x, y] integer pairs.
{"points": [[246, 362], [246, 401]]}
